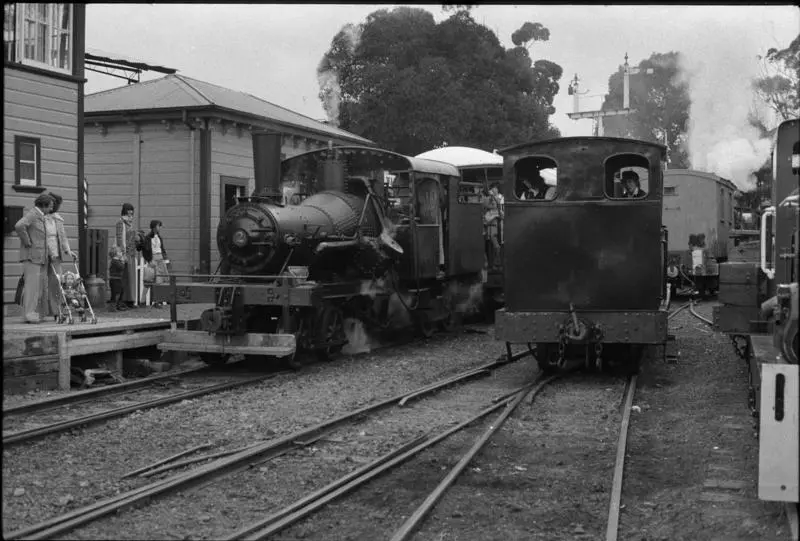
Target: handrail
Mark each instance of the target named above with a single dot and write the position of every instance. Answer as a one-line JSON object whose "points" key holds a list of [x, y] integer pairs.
{"points": [[770, 211]]}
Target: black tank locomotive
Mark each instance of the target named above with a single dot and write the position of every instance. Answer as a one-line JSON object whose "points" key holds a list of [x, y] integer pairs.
{"points": [[331, 236], [584, 267]]}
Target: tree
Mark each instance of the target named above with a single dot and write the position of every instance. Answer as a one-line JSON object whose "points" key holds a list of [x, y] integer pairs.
{"points": [[661, 103], [779, 86], [410, 84]]}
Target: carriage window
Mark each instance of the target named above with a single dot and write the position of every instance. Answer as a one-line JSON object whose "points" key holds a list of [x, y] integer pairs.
{"points": [[627, 176], [535, 178], [470, 187], [427, 195], [494, 174]]}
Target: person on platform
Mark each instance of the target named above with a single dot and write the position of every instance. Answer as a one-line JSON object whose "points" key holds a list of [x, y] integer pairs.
{"points": [[32, 234]]}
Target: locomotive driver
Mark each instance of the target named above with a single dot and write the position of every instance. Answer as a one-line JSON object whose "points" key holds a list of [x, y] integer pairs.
{"points": [[633, 187]]}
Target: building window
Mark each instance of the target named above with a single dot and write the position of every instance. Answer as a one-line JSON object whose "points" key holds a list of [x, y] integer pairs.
{"points": [[670, 190], [39, 35], [28, 161]]}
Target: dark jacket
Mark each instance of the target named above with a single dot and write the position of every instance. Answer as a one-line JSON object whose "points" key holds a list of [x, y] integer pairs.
{"points": [[147, 247], [116, 269]]}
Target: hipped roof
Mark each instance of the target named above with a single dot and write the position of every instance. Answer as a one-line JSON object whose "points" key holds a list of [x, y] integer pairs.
{"points": [[175, 92]]}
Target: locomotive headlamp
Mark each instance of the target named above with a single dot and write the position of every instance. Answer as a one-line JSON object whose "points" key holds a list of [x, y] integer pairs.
{"points": [[239, 238]]}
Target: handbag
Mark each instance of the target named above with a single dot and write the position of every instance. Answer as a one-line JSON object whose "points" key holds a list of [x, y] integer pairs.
{"points": [[20, 287], [149, 274]]}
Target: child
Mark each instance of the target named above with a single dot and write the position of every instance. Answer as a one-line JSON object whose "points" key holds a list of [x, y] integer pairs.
{"points": [[74, 293], [116, 274]]}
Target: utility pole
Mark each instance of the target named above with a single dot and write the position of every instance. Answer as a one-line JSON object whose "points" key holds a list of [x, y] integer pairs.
{"points": [[599, 114]]}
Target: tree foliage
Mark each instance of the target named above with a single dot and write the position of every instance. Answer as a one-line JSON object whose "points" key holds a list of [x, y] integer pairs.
{"points": [[530, 33], [779, 86], [410, 84], [661, 103]]}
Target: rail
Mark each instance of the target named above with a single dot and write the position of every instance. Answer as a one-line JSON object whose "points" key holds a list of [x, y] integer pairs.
{"points": [[63, 426], [614, 507], [233, 463]]}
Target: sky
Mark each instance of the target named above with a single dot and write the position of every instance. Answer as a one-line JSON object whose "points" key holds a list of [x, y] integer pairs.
{"points": [[272, 50]]}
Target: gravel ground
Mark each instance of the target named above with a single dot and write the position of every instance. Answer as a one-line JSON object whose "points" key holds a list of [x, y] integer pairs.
{"points": [[57, 474], [693, 467], [691, 471]]}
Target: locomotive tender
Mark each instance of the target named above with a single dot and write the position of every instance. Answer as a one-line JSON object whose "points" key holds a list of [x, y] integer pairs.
{"points": [[584, 271], [328, 236]]}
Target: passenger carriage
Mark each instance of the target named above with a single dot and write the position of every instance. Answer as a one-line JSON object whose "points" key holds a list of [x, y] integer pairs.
{"points": [[584, 267], [480, 170]]}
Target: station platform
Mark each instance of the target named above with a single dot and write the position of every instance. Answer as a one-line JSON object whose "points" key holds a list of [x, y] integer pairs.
{"points": [[39, 356]]}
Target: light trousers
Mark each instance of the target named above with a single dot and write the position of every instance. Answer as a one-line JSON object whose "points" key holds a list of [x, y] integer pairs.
{"points": [[32, 290]]}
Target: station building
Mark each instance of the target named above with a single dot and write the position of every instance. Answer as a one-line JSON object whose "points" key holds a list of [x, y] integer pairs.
{"points": [[179, 149], [43, 91]]}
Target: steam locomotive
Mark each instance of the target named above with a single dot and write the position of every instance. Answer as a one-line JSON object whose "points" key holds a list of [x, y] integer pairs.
{"points": [[593, 290], [343, 236]]}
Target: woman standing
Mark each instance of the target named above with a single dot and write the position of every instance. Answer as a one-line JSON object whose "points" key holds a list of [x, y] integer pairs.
{"points": [[57, 249], [155, 254], [33, 255], [126, 240]]}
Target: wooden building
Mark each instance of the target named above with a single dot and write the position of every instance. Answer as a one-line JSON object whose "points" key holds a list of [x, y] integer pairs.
{"points": [[43, 86], [180, 151]]}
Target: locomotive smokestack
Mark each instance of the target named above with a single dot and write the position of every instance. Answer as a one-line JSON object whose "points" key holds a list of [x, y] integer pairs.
{"points": [[267, 162]]}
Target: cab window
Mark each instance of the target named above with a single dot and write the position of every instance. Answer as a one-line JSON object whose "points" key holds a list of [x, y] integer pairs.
{"points": [[535, 178], [627, 177]]}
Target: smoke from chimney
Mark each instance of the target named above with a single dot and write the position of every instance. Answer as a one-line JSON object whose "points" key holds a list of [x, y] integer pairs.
{"points": [[721, 139], [328, 79]]}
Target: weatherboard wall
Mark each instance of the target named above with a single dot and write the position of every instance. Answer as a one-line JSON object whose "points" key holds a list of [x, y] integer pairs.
{"points": [[155, 166], [46, 108], [150, 166]]}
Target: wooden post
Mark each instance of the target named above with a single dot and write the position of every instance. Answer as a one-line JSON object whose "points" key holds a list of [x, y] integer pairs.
{"points": [[64, 364]]}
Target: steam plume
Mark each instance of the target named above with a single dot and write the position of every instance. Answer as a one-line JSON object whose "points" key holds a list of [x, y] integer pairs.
{"points": [[721, 139], [331, 91]]}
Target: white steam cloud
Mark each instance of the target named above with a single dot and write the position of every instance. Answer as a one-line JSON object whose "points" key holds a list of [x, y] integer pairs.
{"points": [[331, 95], [721, 140], [329, 81]]}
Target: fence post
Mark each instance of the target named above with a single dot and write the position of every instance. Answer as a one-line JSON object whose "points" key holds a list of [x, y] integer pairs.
{"points": [[140, 265]]}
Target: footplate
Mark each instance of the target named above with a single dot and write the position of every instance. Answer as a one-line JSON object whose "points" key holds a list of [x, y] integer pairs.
{"points": [[273, 345]]}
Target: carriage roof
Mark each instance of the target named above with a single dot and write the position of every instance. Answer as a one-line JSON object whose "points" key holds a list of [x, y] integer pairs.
{"points": [[622, 142], [395, 161]]}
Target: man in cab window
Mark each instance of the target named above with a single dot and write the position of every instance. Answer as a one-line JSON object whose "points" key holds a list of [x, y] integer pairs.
{"points": [[633, 188]]}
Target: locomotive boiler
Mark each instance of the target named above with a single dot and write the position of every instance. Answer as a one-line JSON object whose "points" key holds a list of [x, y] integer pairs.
{"points": [[338, 234]]}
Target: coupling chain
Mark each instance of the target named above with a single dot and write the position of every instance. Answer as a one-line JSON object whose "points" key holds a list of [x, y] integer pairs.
{"points": [[562, 345], [598, 348]]}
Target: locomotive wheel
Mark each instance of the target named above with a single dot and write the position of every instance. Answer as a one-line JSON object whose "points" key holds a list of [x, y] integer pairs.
{"points": [[546, 357], [424, 324], [331, 329]]}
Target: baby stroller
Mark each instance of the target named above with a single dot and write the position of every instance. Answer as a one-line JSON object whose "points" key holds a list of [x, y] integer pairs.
{"points": [[73, 297]]}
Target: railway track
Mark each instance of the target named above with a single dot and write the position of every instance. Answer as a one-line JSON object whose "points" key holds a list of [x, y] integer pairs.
{"points": [[303, 508], [36, 420], [238, 460]]}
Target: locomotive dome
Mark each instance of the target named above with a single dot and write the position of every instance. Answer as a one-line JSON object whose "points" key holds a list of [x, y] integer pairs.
{"points": [[462, 156]]}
